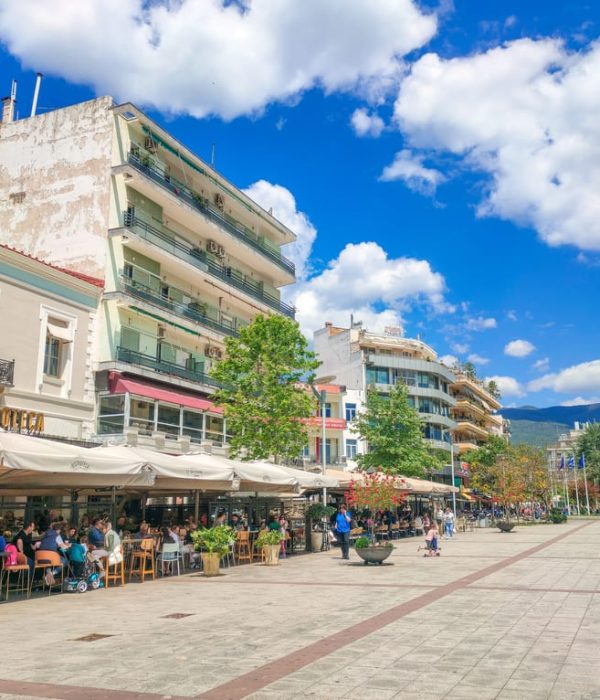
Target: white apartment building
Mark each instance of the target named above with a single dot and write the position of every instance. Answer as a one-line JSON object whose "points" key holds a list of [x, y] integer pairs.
{"points": [[359, 359], [187, 258]]}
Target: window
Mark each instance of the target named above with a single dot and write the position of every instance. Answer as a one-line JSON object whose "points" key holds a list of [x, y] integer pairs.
{"points": [[52, 357], [350, 412], [111, 414], [377, 375], [327, 410], [168, 419], [351, 449], [192, 425], [141, 415]]}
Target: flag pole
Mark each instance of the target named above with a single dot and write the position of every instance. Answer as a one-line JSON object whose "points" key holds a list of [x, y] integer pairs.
{"points": [[587, 495], [567, 493], [576, 489]]}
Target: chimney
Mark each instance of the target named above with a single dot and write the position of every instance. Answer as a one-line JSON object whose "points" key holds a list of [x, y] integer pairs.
{"points": [[8, 104]]}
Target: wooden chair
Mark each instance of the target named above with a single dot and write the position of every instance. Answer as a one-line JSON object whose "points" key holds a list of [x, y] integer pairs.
{"points": [[382, 532], [242, 546], [48, 560], [142, 560], [21, 568], [114, 572]]}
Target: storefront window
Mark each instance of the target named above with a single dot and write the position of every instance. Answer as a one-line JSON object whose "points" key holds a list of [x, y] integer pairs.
{"points": [[141, 415], [168, 419], [111, 414], [192, 425], [214, 428]]}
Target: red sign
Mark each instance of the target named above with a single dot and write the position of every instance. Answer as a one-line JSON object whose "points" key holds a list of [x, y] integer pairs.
{"points": [[330, 423]]}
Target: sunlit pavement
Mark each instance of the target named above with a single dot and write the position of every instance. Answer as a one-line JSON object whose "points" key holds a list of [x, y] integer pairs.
{"points": [[495, 616]]}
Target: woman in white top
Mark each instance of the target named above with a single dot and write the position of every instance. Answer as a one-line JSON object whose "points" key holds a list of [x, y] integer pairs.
{"points": [[112, 544]]}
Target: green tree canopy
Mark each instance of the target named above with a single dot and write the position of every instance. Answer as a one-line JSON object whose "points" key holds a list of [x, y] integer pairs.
{"points": [[588, 444], [393, 431], [262, 399]]}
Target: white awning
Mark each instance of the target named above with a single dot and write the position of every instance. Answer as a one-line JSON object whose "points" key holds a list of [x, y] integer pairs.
{"points": [[306, 479], [60, 332]]}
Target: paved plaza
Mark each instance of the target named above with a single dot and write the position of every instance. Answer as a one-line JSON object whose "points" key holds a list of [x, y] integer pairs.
{"points": [[504, 616]]}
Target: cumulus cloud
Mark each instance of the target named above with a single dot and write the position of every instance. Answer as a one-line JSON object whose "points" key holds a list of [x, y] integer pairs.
{"points": [[282, 203], [478, 359], [508, 386], [366, 124], [542, 365], [480, 323], [449, 360], [519, 348], [580, 401], [524, 115], [460, 348], [216, 57], [408, 166], [349, 286], [577, 379]]}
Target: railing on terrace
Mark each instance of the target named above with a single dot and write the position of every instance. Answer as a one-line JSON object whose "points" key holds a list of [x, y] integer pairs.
{"points": [[7, 372], [200, 203], [194, 310], [137, 358], [196, 256]]}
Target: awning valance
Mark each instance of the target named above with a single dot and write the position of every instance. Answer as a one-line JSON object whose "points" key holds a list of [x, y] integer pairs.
{"points": [[60, 332]]}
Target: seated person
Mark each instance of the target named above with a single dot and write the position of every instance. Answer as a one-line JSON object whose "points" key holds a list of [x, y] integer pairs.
{"points": [[78, 554], [112, 545], [273, 523], [95, 535], [4, 539], [24, 544], [143, 532]]}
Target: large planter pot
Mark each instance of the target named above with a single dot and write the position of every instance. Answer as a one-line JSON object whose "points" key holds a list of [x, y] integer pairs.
{"points": [[271, 554], [374, 555], [210, 563], [316, 541], [504, 525]]}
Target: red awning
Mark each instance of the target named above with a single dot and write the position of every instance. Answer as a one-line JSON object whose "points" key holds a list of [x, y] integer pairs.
{"points": [[119, 385]]}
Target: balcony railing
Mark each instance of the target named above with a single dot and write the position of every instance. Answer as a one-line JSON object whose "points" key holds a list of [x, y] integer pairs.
{"points": [[7, 372], [194, 310], [137, 358], [200, 203], [198, 258]]}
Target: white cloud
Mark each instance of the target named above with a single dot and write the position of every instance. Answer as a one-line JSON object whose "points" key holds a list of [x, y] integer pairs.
{"points": [[409, 167], [365, 124], [542, 365], [580, 401], [216, 57], [508, 386], [283, 205], [478, 359], [512, 315], [580, 378], [449, 360], [349, 286], [525, 115], [480, 323], [519, 348], [460, 348]]}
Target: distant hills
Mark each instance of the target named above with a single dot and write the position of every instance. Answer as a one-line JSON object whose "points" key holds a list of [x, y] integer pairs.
{"points": [[542, 426]]}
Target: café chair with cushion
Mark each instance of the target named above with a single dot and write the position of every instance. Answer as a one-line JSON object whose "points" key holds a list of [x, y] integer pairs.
{"points": [[21, 569], [48, 560]]}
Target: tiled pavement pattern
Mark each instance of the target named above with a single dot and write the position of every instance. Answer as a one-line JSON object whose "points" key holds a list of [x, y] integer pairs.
{"points": [[510, 616]]}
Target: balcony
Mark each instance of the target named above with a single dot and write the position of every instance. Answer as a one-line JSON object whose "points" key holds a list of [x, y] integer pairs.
{"points": [[7, 372], [169, 368], [199, 203], [196, 311], [199, 259]]}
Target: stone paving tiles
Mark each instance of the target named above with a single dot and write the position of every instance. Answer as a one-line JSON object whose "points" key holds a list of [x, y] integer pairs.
{"points": [[496, 616]]}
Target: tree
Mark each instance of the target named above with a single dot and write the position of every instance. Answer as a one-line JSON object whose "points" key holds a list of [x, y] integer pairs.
{"points": [[588, 444], [393, 431], [468, 368], [262, 397], [375, 491], [493, 390]]}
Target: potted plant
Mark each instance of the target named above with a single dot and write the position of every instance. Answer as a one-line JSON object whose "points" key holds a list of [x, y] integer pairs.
{"points": [[213, 543], [270, 542], [376, 491], [315, 514]]}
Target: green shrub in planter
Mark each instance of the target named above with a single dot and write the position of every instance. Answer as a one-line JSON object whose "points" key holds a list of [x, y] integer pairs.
{"points": [[268, 537], [215, 539], [316, 511], [362, 542], [557, 516]]}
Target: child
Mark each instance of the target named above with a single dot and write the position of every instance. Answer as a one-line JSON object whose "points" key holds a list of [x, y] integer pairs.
{"points": [[431, 541], [78, 555]]}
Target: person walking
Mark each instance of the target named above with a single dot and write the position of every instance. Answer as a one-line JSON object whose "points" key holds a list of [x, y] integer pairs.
{"points": [[342, 526], [448, 523]]}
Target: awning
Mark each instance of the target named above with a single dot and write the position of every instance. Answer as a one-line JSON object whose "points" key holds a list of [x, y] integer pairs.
{"points": [[308, 480], [151, 391], [60, 332]]}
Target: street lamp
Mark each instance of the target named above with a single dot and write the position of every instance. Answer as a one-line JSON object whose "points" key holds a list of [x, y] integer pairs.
{"points": [[321, 395]]}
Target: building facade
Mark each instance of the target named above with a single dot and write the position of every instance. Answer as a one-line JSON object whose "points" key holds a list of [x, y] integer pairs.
{"points": [[47, 348], [187, 258], [360, 359]]}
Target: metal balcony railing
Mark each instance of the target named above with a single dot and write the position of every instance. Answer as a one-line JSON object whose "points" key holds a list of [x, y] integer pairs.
{"points": [[149, 362], [201, 204], [194, 310], [7, 372], [199, 258]]}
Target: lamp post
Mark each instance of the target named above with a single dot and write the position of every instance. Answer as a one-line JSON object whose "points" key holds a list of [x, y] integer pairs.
{"points": [[452, 473], [321, 395]]}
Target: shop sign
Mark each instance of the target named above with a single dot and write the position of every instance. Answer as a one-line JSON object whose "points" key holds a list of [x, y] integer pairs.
{"points": [[17, 420]]}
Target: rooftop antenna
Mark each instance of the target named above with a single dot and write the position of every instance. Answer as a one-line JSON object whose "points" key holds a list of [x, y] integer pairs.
{"points": [[212, 155], [36, 93]]}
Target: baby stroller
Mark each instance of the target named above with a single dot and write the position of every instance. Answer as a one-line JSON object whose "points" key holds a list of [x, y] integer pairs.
{"points": [[82, 575]]}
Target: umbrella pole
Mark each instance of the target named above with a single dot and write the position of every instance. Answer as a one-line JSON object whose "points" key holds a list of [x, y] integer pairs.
{"points": [[197, 506]]}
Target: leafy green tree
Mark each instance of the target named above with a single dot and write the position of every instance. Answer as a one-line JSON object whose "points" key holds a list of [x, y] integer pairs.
{"points": [[393, 431], [263, 401], [588, 444], [493, 389], [469, 369], [481, 463]]}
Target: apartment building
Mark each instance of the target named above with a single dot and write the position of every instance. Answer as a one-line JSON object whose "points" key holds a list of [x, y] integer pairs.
{"points": [[360, 359], [328, 415], [186, 257], [475, 413], [47, 345]]}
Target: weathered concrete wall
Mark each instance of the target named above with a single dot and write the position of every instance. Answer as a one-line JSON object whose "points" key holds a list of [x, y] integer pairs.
{"points": [[55, 185]]}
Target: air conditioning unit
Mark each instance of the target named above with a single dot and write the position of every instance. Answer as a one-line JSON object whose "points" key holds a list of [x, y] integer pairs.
{"points": [[213, 247], [150, 144], [220, 252], [219, 201]]}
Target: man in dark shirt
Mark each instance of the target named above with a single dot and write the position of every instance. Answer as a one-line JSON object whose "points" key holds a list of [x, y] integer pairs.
{"points": [[23, 542], [95, 535]]}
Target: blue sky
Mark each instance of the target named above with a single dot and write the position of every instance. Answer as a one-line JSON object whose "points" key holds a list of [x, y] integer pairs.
{"points": [[439, 161]]}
